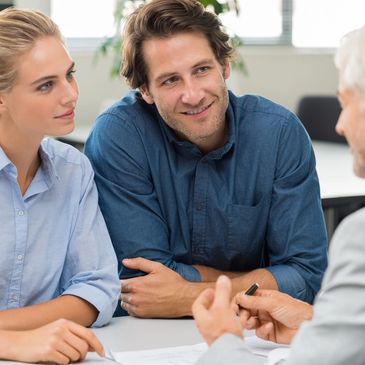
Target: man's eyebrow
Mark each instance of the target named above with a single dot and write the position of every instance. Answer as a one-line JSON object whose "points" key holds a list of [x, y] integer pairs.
{"points": [[167, 75], [51, 77]]}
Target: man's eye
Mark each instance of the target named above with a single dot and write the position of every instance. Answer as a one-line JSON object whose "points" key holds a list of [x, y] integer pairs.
{"points": [[170, 81], [202, 69]]}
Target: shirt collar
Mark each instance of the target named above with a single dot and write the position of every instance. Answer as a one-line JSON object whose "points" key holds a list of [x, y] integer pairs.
{"points": [[47, 164], [4, 160]]}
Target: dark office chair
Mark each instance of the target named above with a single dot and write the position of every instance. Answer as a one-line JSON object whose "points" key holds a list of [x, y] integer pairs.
{"points": [[319, 115]]}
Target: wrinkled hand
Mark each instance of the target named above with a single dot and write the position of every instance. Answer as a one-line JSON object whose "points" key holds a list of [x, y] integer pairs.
{"points": [[214, 314], [275, 316], [159, 294], [60, 342]]}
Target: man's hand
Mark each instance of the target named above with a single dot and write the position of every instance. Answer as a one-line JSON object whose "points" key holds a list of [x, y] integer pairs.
{"points": [[214, 314], [60, 342], [159, 294], [275, 316]]}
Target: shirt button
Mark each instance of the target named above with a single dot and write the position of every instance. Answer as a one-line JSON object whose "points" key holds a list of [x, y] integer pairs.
{"points": [[14, 296], [21, 212], [20, 257]]}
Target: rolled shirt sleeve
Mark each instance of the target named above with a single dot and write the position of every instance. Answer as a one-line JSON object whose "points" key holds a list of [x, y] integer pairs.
{"points": [[296, 233], [90, 270]]}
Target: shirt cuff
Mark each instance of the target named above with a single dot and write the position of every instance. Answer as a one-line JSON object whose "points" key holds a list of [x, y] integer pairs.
{"points": [[100, 300], [188, 272], [291, 282]]}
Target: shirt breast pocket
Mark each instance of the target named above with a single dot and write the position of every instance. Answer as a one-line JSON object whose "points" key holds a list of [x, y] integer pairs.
{"points": [[247, 226]]}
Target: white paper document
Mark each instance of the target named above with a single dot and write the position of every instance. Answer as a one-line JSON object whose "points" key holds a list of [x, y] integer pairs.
{"points": [[261, 347], [188, 355]]}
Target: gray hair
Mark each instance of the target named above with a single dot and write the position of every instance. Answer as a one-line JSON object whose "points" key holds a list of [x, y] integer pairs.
{"points": [[350, 60], [19, 30]]}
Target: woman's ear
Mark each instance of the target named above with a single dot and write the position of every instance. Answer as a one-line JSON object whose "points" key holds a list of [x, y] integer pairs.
{"points": [[147, 97], [2, 103]]}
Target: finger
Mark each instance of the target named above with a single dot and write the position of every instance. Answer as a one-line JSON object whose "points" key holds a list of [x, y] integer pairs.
{"points": [[248, 321], [142, 264], [235, 307], [201, 305], [223, 289], [78, 343], [127, 284], [126, 298], [203, 301], [131, 309], [89, 336], [268, 293], [266, 332], [252, 323], [68, 351], [254, 302], [57, 358]]}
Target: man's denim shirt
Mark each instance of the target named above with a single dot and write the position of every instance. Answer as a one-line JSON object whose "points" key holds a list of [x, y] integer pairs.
{"points": [[253, 203]]}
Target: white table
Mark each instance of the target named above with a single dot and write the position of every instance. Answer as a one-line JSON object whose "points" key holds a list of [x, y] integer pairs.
{"points": [[129, 333], [336, 177], [339, 185]]}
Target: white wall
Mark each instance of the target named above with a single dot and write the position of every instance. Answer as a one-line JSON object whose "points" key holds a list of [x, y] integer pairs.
{"points": [[42, 5], [286, 74], [96, 86], [281, 74]]}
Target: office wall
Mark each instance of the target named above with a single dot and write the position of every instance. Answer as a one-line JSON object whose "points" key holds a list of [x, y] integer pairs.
{"points": [[281, 74]]}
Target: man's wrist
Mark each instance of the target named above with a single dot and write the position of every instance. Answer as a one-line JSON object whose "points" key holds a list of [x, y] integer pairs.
{"points": [[189, 292]]}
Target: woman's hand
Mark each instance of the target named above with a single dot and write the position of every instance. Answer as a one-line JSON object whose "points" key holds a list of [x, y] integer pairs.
{"points": [[60, 342]]}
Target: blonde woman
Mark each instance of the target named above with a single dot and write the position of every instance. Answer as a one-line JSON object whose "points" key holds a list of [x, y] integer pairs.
{"points": [[58, 270]]}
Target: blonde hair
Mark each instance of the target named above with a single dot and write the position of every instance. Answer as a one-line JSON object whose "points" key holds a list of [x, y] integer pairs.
{"points": [[19, 30], [350, 60]]}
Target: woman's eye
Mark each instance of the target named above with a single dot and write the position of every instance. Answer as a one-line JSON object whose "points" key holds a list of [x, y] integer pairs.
{"points": [[46, 86], [70, 75]]}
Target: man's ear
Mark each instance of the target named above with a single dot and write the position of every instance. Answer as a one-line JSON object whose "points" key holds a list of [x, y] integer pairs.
{"points": [[147, 97], [226, 70]]}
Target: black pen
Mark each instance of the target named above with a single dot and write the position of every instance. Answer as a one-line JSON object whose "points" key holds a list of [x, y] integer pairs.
{"points": [[252, 289]]}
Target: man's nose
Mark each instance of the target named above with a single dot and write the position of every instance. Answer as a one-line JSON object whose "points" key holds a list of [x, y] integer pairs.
{"points": [[192, 93]]}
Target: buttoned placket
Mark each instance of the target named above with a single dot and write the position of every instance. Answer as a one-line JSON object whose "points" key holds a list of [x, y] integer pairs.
{"points": [[201, 185], [21, 231]]}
